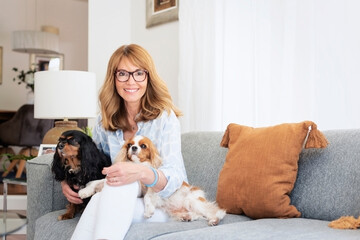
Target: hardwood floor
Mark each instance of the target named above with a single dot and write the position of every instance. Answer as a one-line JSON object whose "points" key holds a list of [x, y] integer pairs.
{"points": [[16, 237]]}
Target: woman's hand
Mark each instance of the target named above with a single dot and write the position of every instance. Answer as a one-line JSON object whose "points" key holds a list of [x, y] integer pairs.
{"points": [[70, 195], [122, 173]]}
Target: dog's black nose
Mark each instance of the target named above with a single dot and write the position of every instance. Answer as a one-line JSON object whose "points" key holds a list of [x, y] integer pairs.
{"points": [[134, 148]]}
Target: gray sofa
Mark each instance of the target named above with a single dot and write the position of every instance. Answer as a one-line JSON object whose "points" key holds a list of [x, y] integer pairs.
{"points": [[327, 187]]}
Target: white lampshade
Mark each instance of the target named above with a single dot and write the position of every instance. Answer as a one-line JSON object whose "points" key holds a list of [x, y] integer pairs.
{"points": [[65, 94], [35, 42]]}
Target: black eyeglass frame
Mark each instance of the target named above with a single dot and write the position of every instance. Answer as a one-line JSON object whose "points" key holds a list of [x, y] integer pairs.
{"points": [[131, 74]]}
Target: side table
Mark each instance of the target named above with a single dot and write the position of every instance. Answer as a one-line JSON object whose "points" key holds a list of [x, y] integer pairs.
{"points": [[6, 181], [11, 222]]}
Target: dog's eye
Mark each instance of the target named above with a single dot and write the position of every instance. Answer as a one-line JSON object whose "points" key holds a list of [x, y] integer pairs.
{"points": [[62, 141], [143, 146], [71, 141], [129, 145]]}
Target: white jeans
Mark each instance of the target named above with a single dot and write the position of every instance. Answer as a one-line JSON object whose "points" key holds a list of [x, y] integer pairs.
{"points": [[110, 213]]}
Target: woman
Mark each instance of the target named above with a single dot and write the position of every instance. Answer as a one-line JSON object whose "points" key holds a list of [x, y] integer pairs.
{"points": [[133, 101]]}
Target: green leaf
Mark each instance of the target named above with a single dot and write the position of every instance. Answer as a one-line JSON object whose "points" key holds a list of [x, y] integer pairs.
{"points": [[88, 131], [11, 157]]}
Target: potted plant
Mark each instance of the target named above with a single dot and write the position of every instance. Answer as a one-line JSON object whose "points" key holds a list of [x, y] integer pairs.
{"points": [[13, 157], [26, 77]]}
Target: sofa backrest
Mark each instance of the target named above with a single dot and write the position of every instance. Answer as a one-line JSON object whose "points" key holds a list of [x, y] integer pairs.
{"points": [[328, 182], [203, 159], [327, 185]]}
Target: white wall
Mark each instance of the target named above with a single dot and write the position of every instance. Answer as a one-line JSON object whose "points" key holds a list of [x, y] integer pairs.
{"points": [[109, 28], [161, 41], [113, 23], [70, 16]]}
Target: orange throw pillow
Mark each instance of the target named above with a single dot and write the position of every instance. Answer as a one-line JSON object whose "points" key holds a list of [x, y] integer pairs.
{"points": [[261, 168]]}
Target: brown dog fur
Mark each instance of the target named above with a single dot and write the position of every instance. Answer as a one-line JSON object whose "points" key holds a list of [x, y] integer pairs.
{"points": [[345, 222]]}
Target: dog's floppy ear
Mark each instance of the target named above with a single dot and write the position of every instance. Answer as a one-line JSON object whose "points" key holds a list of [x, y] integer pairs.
{"points": [[57, 167], [88, 153], [156, 160], [155, 156], [122, 155], [91, 158]]}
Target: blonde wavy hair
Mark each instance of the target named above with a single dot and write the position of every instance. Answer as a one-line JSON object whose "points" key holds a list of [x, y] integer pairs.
{"points": [[155, 100]]}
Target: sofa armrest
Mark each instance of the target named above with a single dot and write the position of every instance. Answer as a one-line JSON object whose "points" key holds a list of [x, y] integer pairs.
{"points": [[44, 194]]}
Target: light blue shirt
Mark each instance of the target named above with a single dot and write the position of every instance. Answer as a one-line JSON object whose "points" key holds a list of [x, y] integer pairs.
{"points": [[165, 133]]}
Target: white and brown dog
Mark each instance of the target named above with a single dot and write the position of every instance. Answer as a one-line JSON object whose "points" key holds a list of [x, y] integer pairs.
{"points": [[188, 203]]}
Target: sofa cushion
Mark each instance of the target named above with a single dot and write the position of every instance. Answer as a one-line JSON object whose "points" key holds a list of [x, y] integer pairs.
{"points": [[261, 167], [266, 229], [151, 230], [49, 228]]}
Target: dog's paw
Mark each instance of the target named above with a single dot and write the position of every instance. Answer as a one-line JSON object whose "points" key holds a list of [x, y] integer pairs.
{"points": [[86, 192], [213, 222], [185, 218], [148, 213], [65, 216]]}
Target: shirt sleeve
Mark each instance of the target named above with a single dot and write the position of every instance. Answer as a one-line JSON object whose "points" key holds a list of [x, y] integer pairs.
{"points": [[170, 151]]}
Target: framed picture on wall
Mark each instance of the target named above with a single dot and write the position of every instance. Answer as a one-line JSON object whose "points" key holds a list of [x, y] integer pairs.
{"points": [[161, 11], [43, 62], [1, 54]]}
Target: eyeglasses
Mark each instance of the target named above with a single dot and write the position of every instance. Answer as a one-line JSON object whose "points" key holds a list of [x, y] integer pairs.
{"points": [[138, 75]]}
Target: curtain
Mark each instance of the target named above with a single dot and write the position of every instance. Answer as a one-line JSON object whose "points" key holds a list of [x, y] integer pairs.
{"points": [[265, 62]]}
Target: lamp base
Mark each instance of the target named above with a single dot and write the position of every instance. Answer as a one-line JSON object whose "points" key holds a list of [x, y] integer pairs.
{"points": [[52, 136]]}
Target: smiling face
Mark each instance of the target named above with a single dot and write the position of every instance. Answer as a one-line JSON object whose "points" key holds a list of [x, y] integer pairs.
{"points": [[131, 91]]}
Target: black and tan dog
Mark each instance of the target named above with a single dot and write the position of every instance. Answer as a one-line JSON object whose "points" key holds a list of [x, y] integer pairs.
{"points": [[77, 161]]}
